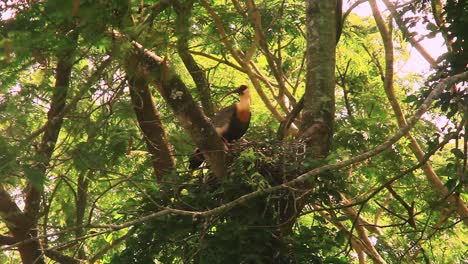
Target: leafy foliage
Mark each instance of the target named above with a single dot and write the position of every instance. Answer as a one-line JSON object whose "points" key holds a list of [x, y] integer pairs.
{"points": [[99, 184]]}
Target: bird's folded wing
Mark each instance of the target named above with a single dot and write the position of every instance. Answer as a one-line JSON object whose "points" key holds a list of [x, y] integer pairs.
{"points": [[224, 116]]}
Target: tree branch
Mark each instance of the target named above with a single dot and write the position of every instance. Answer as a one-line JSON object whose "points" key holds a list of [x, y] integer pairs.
{"points": [[10, 211], [237, 55], [179, 99], [61, 258], [408, 35], [111, 246], [182, 27], [224, 38], [409, 209], [431, 176], [32, 252], [7, 240], [149, 120], [256, 21], [357, 243]]}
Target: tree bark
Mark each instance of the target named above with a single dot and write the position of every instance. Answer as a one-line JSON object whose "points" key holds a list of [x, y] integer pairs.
{"points": [[26, 225], [81, 203], [150, 122], [179, 99], [182, 27], [31, 252], [285, 125], [23, 225], [319, 98], [195, 122]]}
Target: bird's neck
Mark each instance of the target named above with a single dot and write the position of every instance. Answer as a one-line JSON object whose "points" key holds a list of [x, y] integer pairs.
{"points": [[244, 103]]}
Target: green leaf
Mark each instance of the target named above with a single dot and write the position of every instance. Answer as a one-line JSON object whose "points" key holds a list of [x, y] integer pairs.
{"points": [[109, 238], [410, 98], [320, 219], [341, 237], [458, 153], [35, 176]]}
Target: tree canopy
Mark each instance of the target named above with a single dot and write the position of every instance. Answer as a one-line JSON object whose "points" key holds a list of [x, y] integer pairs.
{"points": [[348, 158]]}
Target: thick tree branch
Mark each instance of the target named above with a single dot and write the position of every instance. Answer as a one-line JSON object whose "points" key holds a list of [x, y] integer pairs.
{"points": [[10, 211], [7, 240], [52, 129], [149, 122], [84, 88], [32, 252], [179, 99], [286, 123], [182, 27], [319, 97]]}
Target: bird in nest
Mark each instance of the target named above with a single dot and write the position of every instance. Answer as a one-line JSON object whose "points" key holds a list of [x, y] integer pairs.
{"points": [[231, 122]]}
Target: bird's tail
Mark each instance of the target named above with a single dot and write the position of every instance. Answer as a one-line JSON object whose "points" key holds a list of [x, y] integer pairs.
{"points": [[196, 159]]}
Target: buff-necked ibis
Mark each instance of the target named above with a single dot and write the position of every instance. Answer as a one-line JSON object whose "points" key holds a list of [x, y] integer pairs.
{"points": [[230, 123]]}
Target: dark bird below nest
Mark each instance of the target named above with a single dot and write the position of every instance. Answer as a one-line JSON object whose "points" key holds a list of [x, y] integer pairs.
{"points": [[230, 123]]}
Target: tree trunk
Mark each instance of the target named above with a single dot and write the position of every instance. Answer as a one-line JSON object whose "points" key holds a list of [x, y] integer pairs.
{"points": [[319, 97], [31, 252]]}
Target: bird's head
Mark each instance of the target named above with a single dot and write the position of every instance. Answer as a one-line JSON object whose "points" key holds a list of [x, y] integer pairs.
{"points": [[242, 91]]}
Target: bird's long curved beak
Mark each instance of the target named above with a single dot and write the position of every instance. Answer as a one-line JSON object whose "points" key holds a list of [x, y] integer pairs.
{"points": [[229, 93]]}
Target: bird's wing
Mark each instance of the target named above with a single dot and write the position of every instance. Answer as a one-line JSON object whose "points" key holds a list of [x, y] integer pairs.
{"points": [[223, 117]]}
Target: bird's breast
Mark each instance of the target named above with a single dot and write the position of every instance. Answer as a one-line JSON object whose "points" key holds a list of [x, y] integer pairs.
{"points": [[244, 116]]}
